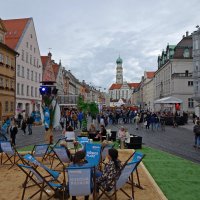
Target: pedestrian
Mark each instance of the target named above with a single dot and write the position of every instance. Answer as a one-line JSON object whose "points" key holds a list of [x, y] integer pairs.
{"points": [[122, 137], [23, 127], [30, 121], [196, 130], [13, 132]]}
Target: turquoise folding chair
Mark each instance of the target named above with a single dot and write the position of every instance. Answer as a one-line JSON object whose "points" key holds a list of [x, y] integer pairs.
{"points": [[61, 155], [31, 159], [137, 158], [119, 181], [81, 181], [40, 151], [10, 152], [33, 176], [93, 153]]}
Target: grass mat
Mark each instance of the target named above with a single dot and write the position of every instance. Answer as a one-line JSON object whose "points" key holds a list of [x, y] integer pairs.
{"points": [[178, 178]]}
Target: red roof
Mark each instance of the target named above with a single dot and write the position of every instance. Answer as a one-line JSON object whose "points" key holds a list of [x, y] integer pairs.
{"points": [[15, 28], [115, 86], [150, 74], [133, 85], [55, 69], [44, 60]]}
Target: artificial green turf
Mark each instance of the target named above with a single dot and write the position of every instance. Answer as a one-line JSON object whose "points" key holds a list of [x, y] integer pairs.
{"points": [[26, 148], [178, 178]]}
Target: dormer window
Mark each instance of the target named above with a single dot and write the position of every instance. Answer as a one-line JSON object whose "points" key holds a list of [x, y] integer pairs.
{"points": [[186, 53]]}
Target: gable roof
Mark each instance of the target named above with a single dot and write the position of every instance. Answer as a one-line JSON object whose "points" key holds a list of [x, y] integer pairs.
{"points": [[133, 85], [15, 29], [44, 60], [115, 86], [150, 74], [55, 69]]}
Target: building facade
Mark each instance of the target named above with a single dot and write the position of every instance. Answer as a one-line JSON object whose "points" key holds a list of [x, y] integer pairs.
{"points": [[196, 68], [121, 89], [174, 74], [21, 36], [7, 76]]}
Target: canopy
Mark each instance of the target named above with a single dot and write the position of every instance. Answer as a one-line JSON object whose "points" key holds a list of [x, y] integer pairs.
{"points": [[167, 100]]}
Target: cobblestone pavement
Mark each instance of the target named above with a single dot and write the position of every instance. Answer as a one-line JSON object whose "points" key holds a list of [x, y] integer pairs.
{"points": [[178, 141]]}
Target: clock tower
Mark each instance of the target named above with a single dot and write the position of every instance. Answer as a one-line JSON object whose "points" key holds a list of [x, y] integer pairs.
{"points": [[119, 71]]}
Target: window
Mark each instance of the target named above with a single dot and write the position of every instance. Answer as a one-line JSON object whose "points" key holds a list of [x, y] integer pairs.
{"points": [[34, 50], [22, 71], [190, 103], [1, 38], [39, 78], [22, 89], [32, 75], [34, 61], [1, 57], [7, 83], [18, 70], [1, 82], [31, 47], [190, 83], [122, 93], [37, 62], [196, 46], [27, 90], [31, 59], [186, 53], [32, 91], [22, 54], [11, 106], [26, 57], [6, 106], [18, 88], [36, 92], [35, 76], [26, 44], [12, 84], [28, 73]]}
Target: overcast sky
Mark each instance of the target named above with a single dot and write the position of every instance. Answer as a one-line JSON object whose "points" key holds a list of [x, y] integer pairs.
{"points": [[89, 35]]}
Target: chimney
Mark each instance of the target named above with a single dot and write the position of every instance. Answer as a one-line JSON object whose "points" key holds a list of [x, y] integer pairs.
{"points": [[187, 33], [183, 36]]}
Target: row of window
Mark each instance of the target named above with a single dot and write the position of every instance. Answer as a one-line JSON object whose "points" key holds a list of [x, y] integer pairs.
{"points": [[29, 59], [30, 75], [6, 59], [118, 94], [30, 90], [9, 108], [6, 82]]}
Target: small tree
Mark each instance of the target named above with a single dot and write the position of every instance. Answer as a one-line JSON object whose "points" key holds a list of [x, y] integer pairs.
{"points": [[86, 107]]}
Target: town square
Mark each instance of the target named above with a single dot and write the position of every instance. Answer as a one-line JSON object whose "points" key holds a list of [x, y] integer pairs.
{"points": [[99, 100]]}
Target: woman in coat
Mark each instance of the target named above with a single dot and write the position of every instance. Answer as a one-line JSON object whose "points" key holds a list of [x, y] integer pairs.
{"points": [[13, 132]]}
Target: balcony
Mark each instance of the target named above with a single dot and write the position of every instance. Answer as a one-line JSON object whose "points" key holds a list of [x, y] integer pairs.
{"points": [[181, 75]]}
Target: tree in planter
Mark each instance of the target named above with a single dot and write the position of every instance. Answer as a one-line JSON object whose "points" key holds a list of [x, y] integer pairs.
{"points": [[86, 107]]}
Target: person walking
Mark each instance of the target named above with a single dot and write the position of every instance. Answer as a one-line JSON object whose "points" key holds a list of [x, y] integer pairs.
{"points": [[30, 121], [23, 127], [196, 130], [13, 132]]}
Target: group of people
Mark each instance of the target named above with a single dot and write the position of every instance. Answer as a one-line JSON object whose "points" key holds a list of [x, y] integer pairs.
{"points": [[103, 178]]}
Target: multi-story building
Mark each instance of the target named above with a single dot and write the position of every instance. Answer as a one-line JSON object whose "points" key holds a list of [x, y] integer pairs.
{"points": [[21, 36], [7, 76], [121, 89], [196, 68], [174, 74]]}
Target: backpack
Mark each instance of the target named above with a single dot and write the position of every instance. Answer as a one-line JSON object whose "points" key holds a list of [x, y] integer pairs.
{"points": [[196, 130]]}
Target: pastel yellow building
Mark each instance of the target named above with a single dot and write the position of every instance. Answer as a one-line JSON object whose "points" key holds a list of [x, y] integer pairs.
{"points": [[7, 76]]}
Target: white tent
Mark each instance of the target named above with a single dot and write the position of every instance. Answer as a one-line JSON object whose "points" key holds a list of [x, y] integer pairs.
{"points": [[167, 100]]}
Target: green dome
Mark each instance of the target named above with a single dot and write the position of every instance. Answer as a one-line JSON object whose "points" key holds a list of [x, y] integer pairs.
{"points": [[119, 60]]}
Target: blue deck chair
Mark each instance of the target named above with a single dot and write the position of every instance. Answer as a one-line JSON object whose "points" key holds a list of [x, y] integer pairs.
{"points": [[82, 141], [40, 151], [120, 180], [33, 176], [138, 156], [93, 153], [81, 181], [61, 154], [11, 154], [31, 159]]}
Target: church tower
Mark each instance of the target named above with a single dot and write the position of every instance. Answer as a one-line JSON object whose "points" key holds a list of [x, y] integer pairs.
{"points": [[119, 71]]}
